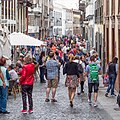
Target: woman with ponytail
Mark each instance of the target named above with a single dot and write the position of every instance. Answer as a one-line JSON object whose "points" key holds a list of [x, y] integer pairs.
{"points": [[72, 77]]}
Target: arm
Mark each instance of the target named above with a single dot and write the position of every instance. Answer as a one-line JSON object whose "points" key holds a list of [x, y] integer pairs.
{"points": [[65, 69], [23, 75], [2, 78], [100, 70]]}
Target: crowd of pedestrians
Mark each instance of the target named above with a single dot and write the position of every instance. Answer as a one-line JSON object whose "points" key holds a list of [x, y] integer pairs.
{"points": [[44, 63]]}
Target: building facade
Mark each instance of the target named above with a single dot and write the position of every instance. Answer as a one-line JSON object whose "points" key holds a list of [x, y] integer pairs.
{"points": [[41, 19], [98, 27], [68, 21], [111, 14], [89, 22], [8, 14], [76, 22], [58, 17]]}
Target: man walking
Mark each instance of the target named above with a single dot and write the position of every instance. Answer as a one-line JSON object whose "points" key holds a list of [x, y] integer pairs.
{"points": [[92, 71], [52, 67]]}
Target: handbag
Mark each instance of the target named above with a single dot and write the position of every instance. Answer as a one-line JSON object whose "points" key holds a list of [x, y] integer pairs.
{"points": [[106, 80]]}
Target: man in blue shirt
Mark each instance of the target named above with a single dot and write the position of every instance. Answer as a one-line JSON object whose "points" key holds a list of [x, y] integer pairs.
{"points": [[52, 67], [91, 82]]}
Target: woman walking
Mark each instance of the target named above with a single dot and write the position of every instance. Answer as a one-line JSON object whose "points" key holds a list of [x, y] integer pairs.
{"points": [[42, 66], [72, 81], [26, 81]]}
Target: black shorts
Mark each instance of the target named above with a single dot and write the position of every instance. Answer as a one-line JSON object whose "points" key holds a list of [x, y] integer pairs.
{"points": [[91, 85]]}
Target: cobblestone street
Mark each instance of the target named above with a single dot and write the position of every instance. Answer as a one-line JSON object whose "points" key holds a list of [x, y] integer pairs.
{"points": [[55, 111]]}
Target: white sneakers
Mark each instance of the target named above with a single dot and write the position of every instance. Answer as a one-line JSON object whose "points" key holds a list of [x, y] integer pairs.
{"points": [[90, 103]]}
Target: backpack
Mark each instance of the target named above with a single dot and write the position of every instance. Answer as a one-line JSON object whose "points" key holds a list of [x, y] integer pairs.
{"points": [[80, 68], [93, 72], [111, 69]]}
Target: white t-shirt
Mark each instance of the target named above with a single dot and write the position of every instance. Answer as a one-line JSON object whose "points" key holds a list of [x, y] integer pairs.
{"points": [[13, 75]]}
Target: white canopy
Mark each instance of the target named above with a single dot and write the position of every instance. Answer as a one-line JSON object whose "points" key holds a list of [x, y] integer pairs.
{"points": [[22, 39]]}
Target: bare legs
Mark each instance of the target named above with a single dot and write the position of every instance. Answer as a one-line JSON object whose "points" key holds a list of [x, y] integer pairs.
{"points": [[53, 93], [95, 97], [71, 93], [48, 92]]}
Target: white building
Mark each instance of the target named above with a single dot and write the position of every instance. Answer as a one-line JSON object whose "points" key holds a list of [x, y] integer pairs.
{"points": [[8, 14], [58, 17], [90, 21]]}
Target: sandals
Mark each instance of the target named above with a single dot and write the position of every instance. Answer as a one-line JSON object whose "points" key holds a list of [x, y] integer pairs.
{"points": [[71, 104], [53, 100], [47, 100]]}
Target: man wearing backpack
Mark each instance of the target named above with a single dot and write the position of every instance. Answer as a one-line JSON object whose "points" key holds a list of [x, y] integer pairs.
{"points": [[112, 73], [92, 71]]}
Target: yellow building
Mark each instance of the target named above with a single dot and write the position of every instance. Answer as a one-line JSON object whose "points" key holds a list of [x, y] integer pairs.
{"points": [[112, 32]]}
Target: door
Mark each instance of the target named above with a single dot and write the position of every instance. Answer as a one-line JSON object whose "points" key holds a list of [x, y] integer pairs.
{"points": [[107, 43], [119, 56]]}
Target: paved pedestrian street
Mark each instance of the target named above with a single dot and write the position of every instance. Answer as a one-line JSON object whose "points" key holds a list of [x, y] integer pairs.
{"points": [[55, 111]]}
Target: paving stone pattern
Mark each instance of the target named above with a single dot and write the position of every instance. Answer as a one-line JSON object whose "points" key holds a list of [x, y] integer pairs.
{"points": [[55, 111]]}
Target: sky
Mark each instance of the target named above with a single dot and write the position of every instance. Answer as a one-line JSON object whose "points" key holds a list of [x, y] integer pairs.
{"points": [[69, 3]]}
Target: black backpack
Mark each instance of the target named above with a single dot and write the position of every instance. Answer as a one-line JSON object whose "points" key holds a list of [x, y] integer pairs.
{"points": [[80, 68], [111, 68]]}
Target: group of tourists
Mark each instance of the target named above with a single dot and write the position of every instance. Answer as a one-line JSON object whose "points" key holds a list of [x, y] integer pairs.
{"points": [[45, 63]]}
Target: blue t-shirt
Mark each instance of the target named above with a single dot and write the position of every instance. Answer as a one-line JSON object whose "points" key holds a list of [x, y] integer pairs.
{"points": [[88, 71]]}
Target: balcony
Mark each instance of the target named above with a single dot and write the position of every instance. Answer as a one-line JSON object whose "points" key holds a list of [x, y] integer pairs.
{"points": [[51, 24], [118, 17], [37, 10], [51, 6], [28, 3]]}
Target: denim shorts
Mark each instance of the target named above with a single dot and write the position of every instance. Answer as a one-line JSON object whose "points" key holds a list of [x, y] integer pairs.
{"points": [[95, 85]]}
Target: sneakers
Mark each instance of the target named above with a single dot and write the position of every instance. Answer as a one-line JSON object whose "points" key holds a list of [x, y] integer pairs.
{"points": [[113, 95], [30, 111], [6, 112], [24, 111], [95, 105], [89, 101], [106, 94]]}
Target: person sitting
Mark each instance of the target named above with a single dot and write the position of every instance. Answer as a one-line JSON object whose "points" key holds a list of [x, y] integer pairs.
{"points": [[13, 73]]}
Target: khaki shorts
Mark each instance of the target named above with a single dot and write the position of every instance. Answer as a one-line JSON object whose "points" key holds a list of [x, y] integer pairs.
{"points": [[53, 83]]}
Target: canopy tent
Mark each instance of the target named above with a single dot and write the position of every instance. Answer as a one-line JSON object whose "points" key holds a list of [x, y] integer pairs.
{"points": [[22, 39]]}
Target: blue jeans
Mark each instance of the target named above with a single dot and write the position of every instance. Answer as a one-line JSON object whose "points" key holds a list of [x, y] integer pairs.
{"points": [[112, 79], [42, 70], [37, 57], [3, 98]]}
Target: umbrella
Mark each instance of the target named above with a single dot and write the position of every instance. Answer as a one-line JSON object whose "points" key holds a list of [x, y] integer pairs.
{"points": [[22, 39]]}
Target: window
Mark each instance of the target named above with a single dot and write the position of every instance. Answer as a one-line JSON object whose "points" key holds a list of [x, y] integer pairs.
{"points": [[113, 7], [107, 7], [118, 6]]}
